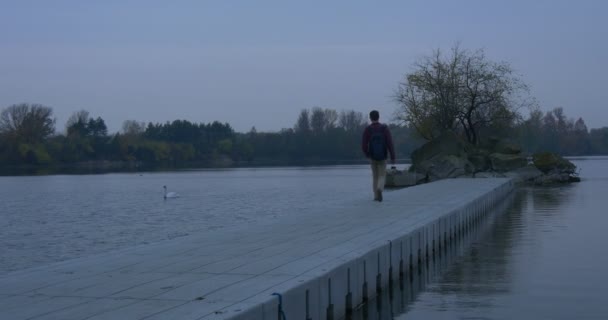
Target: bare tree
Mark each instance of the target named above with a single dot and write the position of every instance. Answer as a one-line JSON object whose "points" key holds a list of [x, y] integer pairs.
{"points": [[81, 116], [331, 119], [133, 128], [351, 120], [322, 120], [27, 123], [461, 92], [303, 123], [428, 95], [317, 120], [77, 123]]}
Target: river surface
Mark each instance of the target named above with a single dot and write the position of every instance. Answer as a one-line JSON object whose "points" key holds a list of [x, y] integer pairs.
{"points": [[545, 257]]}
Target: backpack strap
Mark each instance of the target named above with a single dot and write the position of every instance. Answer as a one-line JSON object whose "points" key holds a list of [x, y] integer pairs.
{"points": [[381, 128]]}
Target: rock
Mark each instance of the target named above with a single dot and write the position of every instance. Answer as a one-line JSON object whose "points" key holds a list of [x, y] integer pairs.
{"points": [[480, 161], [526, 174], [448, 144], [444, 157], [399, 179], [547, 162], [507, 147], [446, 166], [556, 177], [497, 145], [556, 169], [552, 178], [489, 174], [449, 156], [490, 143], [507, 162]]}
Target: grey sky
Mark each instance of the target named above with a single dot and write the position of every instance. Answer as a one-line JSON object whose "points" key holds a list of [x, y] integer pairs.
{"points": [[258, 63]]}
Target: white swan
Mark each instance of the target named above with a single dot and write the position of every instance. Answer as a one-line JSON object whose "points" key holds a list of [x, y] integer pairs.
{"points": [[170, 194]]}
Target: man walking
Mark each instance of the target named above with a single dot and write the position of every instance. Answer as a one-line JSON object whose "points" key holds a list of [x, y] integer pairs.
{"points": [[376, 143]]}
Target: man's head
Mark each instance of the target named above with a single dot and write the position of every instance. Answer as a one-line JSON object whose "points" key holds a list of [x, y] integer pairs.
{"points": [[374, 115]]}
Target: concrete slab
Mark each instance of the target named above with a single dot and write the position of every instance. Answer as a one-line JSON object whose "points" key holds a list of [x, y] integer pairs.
{"points": [[193, 310], [28, 282], [13, 302], [42, 308], [139, 310], [242, 290], [201, 288], [158, 287], [88, 309], [100, 286]]}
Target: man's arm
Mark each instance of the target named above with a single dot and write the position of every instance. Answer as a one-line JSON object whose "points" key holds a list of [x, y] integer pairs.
{"points": [[365, 142], [389, 144]]}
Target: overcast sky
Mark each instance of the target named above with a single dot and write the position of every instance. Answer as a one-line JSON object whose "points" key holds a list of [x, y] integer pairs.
{"points": [[258, 63]]}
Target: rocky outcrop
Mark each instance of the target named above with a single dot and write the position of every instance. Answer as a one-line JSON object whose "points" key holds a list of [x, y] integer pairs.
{"points": [[480, 161], [503, 162], [507, 147], [555, 169], [555, 178], [444, 157], [449, 156], [399, 178], [448, 144], [550, 162], [526, 174], [446, 166]]}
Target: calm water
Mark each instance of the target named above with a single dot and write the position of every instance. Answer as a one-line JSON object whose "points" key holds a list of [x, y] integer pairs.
{"points": [[44, 219], [545, 257]]}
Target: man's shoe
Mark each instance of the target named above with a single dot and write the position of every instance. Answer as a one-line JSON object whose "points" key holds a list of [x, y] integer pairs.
{"points": [[379, 196]]}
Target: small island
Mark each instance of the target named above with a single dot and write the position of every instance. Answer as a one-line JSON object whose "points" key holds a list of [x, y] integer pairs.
{"points": [[449, 156], [466, 107]]}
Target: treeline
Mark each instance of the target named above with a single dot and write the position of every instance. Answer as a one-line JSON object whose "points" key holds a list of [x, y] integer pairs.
{"points": [[320, 136], [28, 136], [553, 131], [323, 136]]}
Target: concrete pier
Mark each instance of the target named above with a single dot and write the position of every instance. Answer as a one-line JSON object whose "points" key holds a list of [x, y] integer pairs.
{"points": [[310, 265]]}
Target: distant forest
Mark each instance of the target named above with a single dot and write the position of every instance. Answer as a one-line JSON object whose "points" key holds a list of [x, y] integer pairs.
{"points": [[29, 138]]}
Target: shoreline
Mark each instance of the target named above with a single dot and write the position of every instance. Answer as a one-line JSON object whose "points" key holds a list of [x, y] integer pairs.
{"points": [[105, 167]]}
